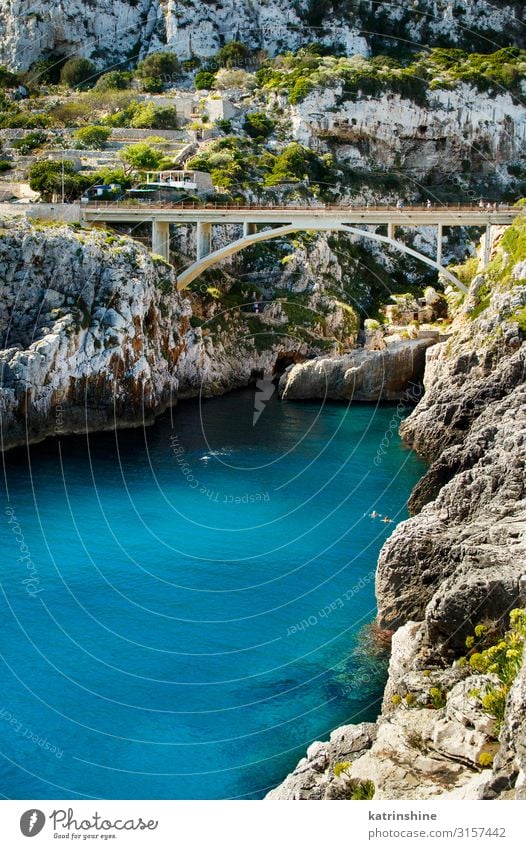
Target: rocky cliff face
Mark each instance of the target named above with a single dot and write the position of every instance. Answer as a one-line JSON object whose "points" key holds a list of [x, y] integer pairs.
{"points": [[458, 562], [104, 30], [427, 142], [115, 30], [95, 336]]}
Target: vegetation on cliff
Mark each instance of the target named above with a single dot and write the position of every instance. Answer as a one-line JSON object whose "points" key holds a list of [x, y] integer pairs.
{"points": [[297, 74], [506, 271]]}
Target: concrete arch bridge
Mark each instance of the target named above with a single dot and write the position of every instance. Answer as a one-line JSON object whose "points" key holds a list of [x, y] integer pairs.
{"points": [[263, 223]]}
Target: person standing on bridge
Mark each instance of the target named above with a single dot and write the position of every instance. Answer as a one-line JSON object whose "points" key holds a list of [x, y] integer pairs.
{"points": [[400, 204]]}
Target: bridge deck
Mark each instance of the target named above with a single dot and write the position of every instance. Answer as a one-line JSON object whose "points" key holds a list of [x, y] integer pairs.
{"points": [[318, 216]]}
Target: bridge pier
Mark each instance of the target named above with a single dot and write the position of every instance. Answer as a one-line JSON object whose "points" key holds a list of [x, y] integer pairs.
{"points": [[487, 245], [391, 230], [204, 239], [440, 239], [161, 238], [249, 228]]}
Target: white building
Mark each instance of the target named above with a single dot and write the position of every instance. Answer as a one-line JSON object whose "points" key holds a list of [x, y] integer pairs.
{"points": [[199, 182]]}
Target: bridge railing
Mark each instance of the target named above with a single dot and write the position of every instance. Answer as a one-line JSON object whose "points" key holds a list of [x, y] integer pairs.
{"points": [[250, 206]]}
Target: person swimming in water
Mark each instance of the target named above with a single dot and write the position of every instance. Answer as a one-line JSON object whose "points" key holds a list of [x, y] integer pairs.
{"points": [[374, 514], [386, 519]]}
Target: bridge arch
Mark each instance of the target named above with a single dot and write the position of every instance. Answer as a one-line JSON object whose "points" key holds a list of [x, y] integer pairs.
{"points": [[197, 268]]}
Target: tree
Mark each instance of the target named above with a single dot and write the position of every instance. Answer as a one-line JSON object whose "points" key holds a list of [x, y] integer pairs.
{"points": [[113, 80], [163, 65], [93, 137], [46, 177], [111, 175], [233, 53], [258, 125], [77, 71], [204, 79], [140, 157]]}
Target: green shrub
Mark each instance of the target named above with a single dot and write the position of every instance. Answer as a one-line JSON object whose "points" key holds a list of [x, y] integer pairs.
{"points": [[93, 137], [300, 89], [363, 791], [30, 142], [113, 80], [258, 125], [501, 657], [148, 116], [162, 65], [204, 80], [437, 697], [7, 78], [520, 317], [106, 176], [191, 64], [232, 54], [141, 157], [371, 324], [154, 85], [224, 125], [19, 119], [5, 165], [77, 71]]}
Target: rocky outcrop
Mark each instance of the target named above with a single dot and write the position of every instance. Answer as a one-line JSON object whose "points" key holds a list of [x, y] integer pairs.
{"points": [[462, 558], [358, 376], [314, 776], [459, 561]]}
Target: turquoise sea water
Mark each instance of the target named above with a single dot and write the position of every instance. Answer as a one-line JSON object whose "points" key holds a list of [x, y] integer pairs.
{"points": [[182, 607]]}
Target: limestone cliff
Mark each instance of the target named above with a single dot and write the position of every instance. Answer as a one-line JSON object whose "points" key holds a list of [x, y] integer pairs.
{"points": [[117, 30], [429, 142], [457, 563]]}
